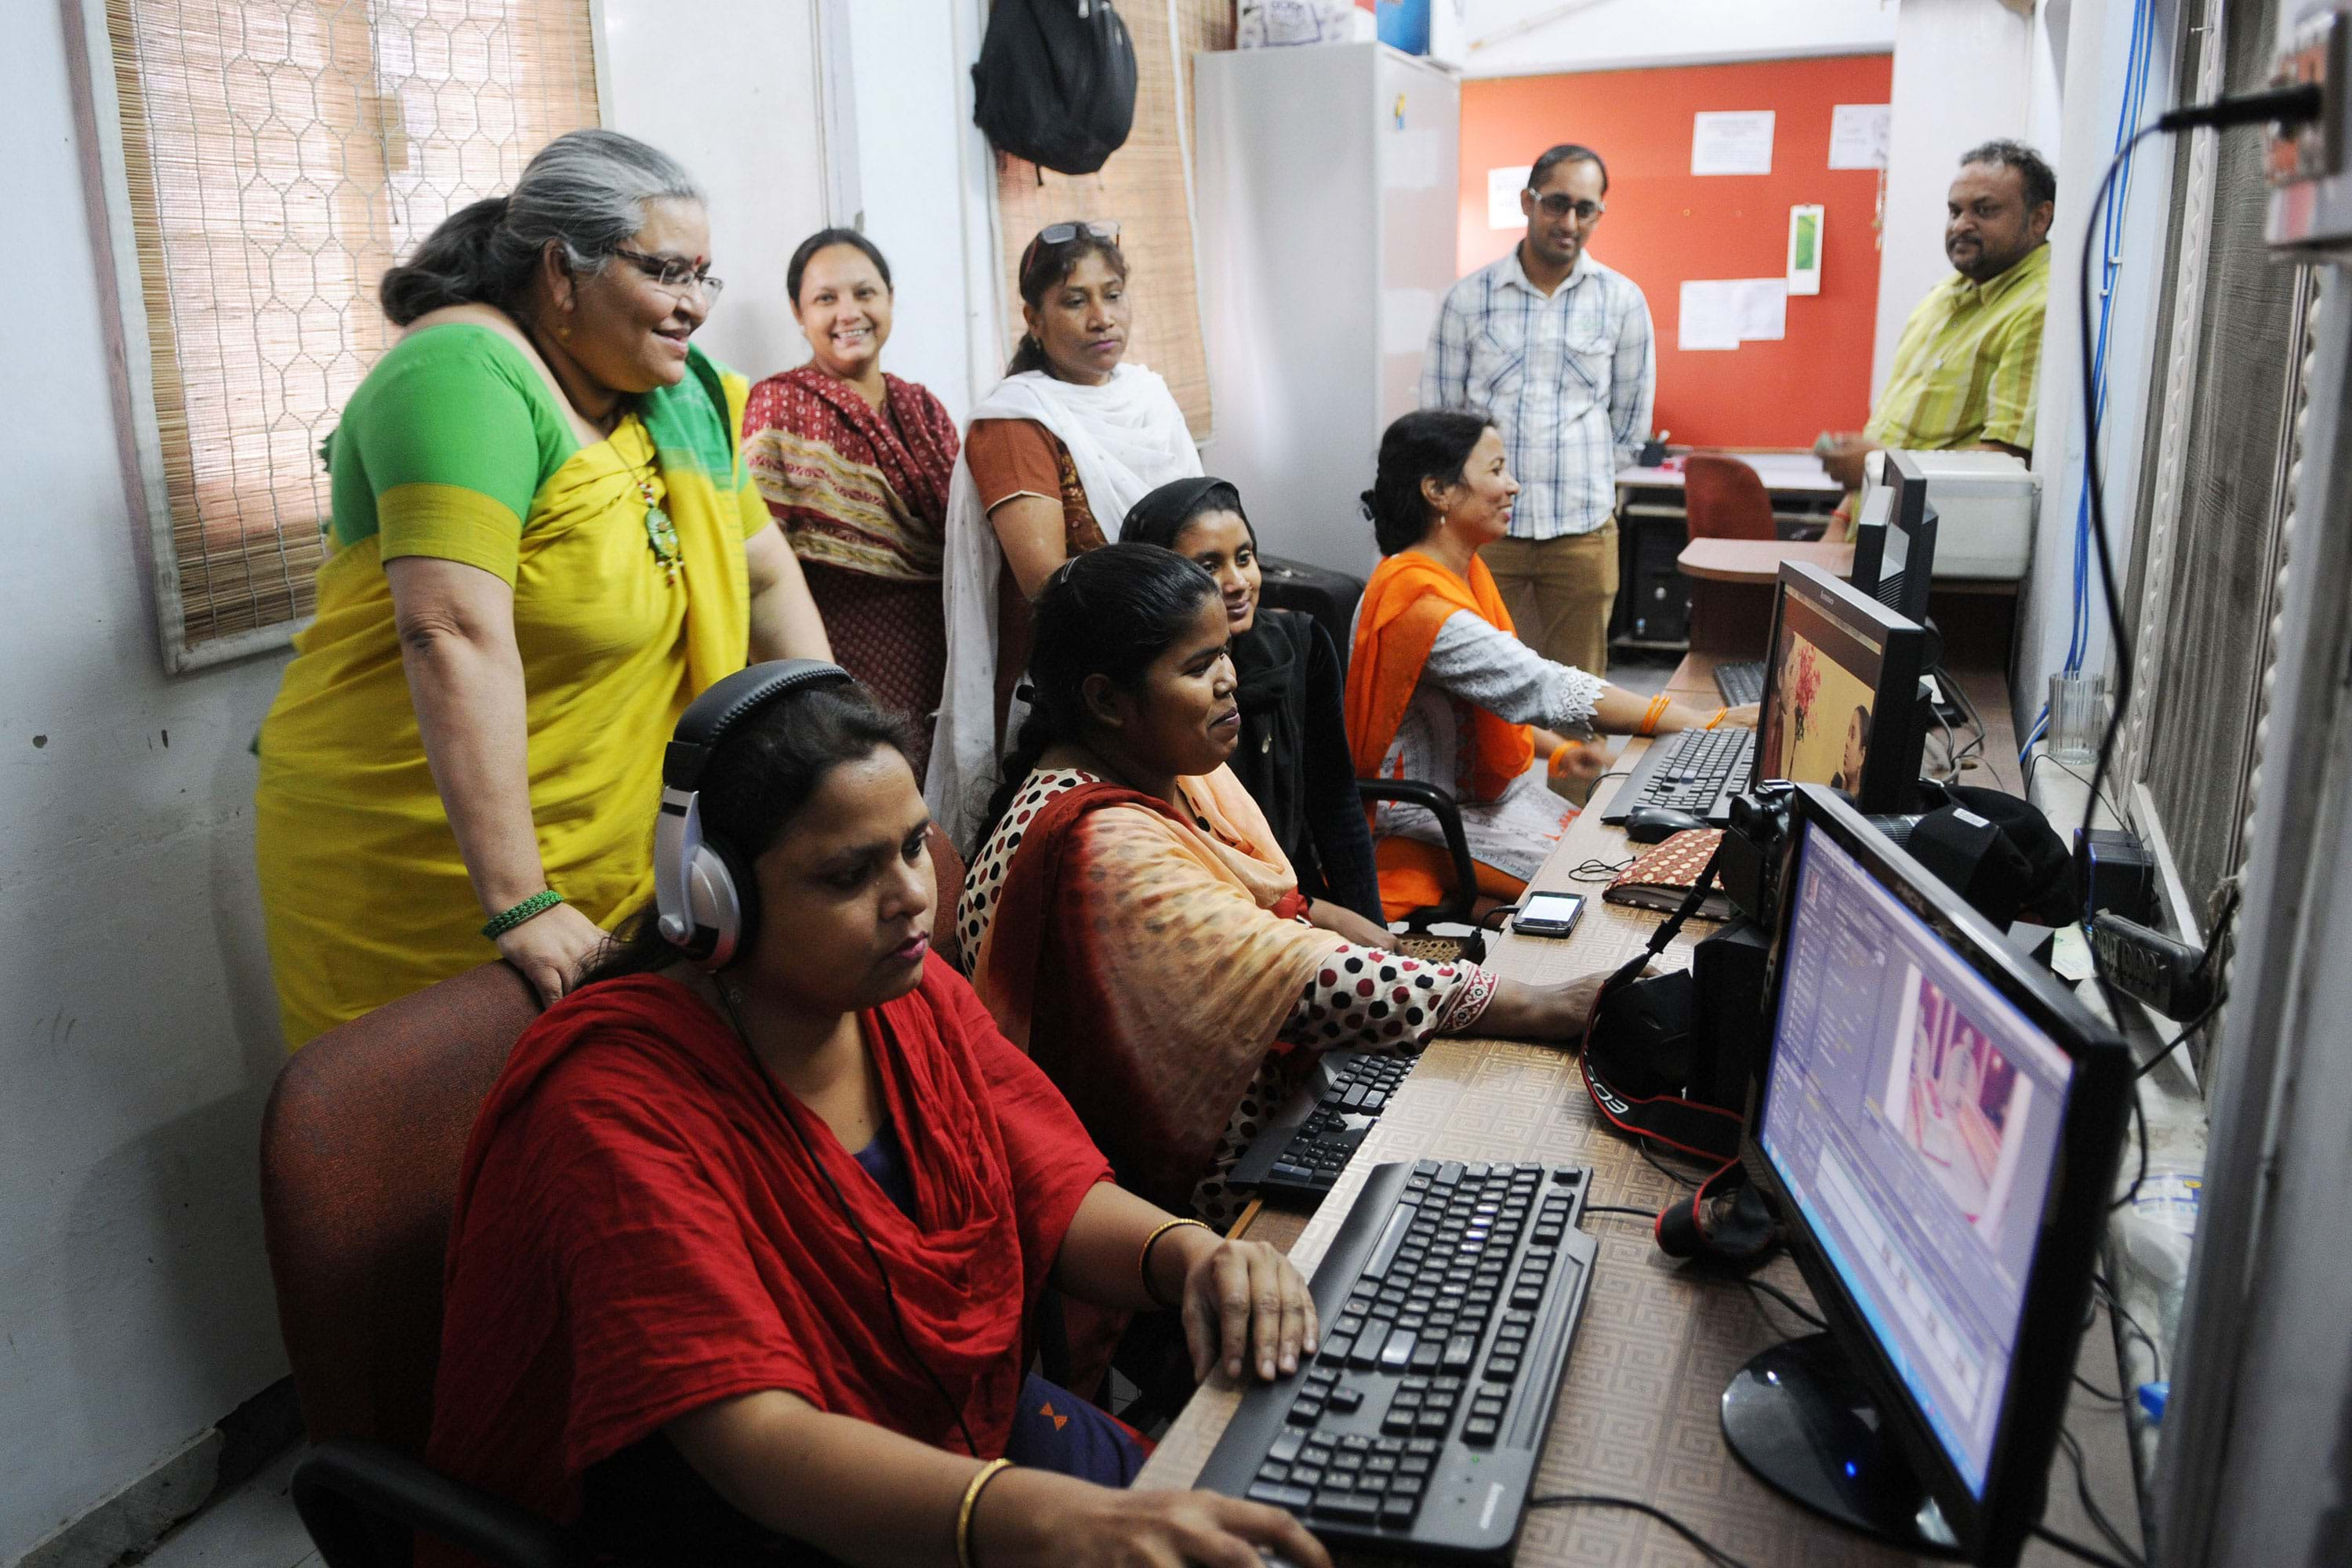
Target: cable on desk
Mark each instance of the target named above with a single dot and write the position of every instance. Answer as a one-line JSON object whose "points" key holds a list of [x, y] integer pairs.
{"points": [[2095, 1392], [1803, 1312], [1662, 1168], [2075, 1548], [2072, 1447], [1596, 869], [1621, 1208], [2139, 1125], [2107, 1299], [1705, 1548]]}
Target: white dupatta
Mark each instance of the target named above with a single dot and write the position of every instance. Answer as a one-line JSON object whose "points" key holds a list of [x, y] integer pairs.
{"points": [[1126, 437]]}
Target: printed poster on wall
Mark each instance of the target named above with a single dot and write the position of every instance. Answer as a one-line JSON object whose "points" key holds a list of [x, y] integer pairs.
{"points": [[1737, 141], [1858, 135], [1503, 188]]}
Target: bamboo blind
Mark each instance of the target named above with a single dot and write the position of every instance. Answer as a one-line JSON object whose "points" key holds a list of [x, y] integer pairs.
{"points": [[281, 155], [1145, 188]]}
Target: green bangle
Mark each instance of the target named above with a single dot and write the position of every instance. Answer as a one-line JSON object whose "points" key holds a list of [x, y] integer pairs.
{"points": [[505, 921]]}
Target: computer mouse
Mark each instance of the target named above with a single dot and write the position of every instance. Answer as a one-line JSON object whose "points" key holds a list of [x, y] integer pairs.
{"points": [[1648, 824]]}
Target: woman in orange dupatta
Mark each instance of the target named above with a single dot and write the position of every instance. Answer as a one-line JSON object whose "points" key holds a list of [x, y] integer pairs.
{"points": [[1441, 690], [1136, 928]]}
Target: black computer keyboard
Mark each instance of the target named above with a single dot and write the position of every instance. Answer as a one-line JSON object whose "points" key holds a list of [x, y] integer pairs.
{"points": [[1449, 1300], [1741, 682], [1354, 1089], [1689, 771]]}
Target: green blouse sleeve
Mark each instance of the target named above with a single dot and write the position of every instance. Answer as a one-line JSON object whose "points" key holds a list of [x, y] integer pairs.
{"points": [[452, 441]]}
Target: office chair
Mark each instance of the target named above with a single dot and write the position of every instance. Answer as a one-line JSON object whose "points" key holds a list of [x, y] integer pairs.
{"points": [[1723, 498], [361, 1147]]}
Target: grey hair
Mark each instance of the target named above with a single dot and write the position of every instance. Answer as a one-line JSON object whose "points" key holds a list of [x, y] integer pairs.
{"points": [[2033, 172], [586, 191]]}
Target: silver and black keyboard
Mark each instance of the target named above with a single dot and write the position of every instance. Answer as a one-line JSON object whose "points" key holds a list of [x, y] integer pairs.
{"points": [[1449, 1300], [1311, 1138], [1696, 770]]}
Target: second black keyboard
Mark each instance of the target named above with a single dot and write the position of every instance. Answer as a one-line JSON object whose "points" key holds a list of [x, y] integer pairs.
{"points": [[1349, 1091], [1449, 1300], [1741, 682]]}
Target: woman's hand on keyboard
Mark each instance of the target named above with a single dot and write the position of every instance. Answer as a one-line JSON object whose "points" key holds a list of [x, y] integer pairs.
{"points": [[1032, 1516], [1743, 717], [1245, 1304]]}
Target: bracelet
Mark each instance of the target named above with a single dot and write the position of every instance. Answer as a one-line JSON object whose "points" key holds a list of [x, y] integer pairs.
{"points": [[980, 1479], [1143, 1260], [1656, 711], [1719, 715], [538, 904], [1552, 767]]}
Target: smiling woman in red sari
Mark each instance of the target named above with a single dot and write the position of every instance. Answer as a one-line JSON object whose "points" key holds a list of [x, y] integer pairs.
{"points": [[854, 465], [744, 1263]]}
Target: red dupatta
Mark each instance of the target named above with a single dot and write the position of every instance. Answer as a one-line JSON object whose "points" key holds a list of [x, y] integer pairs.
{"points": [[853, 485], [638, 1234]]}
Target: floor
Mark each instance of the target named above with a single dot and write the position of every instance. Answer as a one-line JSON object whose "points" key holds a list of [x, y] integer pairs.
{"points": [[251, 1526]]}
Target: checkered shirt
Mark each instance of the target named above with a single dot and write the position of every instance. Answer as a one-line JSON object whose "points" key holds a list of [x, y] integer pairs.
{"points": [[1568, 381]]}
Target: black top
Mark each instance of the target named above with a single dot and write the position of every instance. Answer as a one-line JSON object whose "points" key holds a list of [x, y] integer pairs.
{"points": [[1293, 757]]}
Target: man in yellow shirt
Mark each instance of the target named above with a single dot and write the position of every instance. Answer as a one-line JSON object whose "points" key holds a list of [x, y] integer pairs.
{"points": [[1966, 367]]}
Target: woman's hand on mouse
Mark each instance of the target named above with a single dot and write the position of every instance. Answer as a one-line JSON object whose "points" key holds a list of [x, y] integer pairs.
{"points": [[1034, 1516]]}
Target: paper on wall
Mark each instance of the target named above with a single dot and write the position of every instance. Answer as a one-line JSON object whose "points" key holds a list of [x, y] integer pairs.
{"points": [[1761, 307], [1709, 315], [1503, 188], [1737, 142], [1858, 135]]}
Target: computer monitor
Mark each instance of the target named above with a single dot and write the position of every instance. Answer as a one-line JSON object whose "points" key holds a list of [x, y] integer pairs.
{"points": [[1937, 1122], [1894, 539], [1842, 700]]}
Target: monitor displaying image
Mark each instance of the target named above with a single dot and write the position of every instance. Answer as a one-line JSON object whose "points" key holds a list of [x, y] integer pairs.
{"points": [[1822, 694]]}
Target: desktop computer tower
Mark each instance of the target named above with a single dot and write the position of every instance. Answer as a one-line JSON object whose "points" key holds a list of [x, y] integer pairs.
{"points": [[1654, 598]]}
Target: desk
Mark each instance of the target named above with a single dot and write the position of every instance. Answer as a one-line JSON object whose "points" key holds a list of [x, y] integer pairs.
{"points": [[1654, 601], [1637, 1416], [1731, 600]]}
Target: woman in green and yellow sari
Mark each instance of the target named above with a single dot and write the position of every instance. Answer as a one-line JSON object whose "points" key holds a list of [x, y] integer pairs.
{"points": [[544, 544]]}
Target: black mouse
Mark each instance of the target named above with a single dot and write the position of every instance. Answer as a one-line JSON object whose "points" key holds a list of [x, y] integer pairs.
{"points": [[1648, 824]]}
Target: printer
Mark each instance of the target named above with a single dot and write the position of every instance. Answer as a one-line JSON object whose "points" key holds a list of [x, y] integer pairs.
{"points": [[1985, 505]]}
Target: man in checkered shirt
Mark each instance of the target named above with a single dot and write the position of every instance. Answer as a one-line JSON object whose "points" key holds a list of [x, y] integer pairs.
{"points": [[1555, 349]]}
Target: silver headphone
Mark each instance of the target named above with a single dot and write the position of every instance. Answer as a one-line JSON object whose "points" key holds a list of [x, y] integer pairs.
{"points": [[704, 894]]}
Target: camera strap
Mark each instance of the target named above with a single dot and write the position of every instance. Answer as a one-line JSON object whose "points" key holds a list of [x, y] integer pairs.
{"points": [[1615, 1078]]}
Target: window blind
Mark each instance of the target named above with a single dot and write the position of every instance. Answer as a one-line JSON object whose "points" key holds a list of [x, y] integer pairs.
{"points": [[277, 157], [1145, 189]]}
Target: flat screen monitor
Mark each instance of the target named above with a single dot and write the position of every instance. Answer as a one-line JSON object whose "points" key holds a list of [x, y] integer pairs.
{"points": [[1841, 701], [1938, 1124], [1894, 539]]}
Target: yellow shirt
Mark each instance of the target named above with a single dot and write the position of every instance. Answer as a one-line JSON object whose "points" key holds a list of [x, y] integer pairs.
{"points": [[1967, 364]]}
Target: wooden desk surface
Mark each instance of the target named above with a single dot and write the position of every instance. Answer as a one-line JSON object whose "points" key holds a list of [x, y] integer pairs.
{"points": [[1758, 560], [1638, 1414]]}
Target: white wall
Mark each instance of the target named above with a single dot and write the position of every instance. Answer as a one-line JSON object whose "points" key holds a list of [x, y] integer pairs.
{"points": [[1963, 75], [729, 88], [1610, 35], [2097, 46], [143, 1033]]}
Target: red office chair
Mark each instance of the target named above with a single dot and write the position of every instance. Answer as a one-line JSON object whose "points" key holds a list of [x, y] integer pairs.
{"points": [[360, 1151], [1723, 498]]}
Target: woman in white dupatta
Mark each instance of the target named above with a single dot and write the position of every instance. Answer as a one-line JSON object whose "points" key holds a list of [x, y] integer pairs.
{"points": [[1070, 434]]}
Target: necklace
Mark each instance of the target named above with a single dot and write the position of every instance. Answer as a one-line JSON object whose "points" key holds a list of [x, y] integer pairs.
{"points": [[661, 534]]}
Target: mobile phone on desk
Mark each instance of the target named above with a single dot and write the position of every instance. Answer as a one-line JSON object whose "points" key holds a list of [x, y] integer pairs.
{"points": [[1547, 914]]}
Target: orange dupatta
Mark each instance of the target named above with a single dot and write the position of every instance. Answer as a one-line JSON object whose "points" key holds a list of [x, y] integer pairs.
{"points": [[1408, 599]]}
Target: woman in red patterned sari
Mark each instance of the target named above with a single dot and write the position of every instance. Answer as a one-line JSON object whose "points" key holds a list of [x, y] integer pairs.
{"points": [[854, 465]]}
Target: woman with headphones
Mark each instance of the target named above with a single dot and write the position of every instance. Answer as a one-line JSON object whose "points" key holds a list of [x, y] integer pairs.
{"points": [[751, 1229]]}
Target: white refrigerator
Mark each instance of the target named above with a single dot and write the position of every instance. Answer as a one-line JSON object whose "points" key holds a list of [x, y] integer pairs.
{"points": [[1329, 202]]}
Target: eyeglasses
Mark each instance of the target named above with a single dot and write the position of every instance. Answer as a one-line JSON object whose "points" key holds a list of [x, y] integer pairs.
{"points": [[1063, 233], [673, 274], [1557, 207]]}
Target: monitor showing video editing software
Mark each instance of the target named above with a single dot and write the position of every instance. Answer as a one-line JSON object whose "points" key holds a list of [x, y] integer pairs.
{"points": [[1914, 1113], [1840, 692]]}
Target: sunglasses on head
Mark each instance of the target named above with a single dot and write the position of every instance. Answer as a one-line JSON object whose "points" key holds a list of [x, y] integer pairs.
{"points": [[1063, 233]]}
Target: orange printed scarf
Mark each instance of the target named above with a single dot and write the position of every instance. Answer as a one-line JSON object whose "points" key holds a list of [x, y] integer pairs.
{"points": [[1408, 599]]}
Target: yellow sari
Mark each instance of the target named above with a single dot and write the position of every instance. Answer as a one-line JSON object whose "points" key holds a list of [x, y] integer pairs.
{"points": [[365, 895]]}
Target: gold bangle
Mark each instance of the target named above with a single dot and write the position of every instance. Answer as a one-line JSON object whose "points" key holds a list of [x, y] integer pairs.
{"points": [[1143, 1260], [979, 1478], [1656, 711]]}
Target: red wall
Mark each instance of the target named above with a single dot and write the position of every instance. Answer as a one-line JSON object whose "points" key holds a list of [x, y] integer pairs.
{"points": [[1665, 224]]}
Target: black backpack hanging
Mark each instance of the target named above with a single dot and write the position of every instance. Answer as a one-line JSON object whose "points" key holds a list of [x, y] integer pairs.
{"points": [[1056, 82]]}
